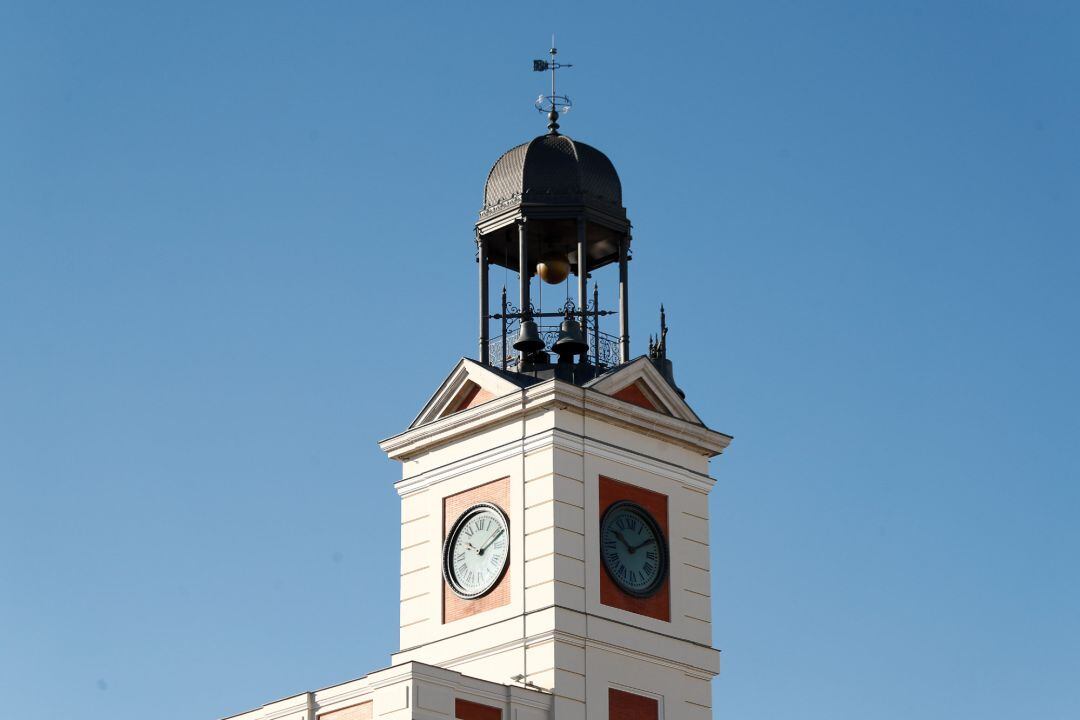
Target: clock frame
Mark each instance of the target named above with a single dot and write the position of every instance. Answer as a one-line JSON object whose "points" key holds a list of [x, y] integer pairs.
{"points": [[663, 559], [449, 576]]}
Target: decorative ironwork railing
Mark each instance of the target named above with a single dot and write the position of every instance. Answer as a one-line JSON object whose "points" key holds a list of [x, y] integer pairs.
{"points": [[603, 347]]}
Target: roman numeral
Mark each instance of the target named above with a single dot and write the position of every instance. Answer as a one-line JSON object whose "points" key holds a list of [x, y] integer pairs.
{"points": [[648, 569], [651, 555]]}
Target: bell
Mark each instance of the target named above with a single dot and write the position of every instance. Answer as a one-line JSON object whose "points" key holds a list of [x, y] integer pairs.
{"points": [[529, 340], [570, 342]]}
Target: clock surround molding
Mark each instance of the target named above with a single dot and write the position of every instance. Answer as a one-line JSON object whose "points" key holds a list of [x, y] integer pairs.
{"points": [[496, 492], [497, 515], [658, 605]]}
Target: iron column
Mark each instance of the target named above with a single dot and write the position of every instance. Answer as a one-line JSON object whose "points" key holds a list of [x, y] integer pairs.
{"points": [[523, 270], [582, 273], [624, 300], [482, 258], [503, 313], [523, 279], [596, 325]]}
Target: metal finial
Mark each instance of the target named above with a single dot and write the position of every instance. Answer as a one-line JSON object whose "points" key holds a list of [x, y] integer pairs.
{"points": [[554, 103], [661, 344]]}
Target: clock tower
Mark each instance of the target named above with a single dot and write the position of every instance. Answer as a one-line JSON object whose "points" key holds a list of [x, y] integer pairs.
{"points": [[554, 493]]}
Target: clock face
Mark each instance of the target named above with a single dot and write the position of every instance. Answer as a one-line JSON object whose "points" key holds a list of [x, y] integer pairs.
{"points": [[633, 549], [476, 550]]}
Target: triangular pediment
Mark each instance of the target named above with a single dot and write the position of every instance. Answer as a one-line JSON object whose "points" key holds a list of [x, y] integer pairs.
{"points": [[469, 384], [640, 383]]}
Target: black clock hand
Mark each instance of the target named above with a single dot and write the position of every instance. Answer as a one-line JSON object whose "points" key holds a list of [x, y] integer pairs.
{"points": [[643, 544], [490, 540], [622, 540]]}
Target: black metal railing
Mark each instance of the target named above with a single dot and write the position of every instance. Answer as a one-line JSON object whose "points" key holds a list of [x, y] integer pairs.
{"points": [[603, 352], [603, 347]]}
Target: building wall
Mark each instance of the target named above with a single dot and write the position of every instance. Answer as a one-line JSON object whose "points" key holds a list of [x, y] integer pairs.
{"points": [[555, 629], [455, 469], [496, 492]]}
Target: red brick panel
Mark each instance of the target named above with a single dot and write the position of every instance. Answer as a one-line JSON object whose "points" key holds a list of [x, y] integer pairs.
{"points": [[659, 605], [465, 710], [480, 397], [469, 396], [628, 706], [634, 395], [498, 493]]}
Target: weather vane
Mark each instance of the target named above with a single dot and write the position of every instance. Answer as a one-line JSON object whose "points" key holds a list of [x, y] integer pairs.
{"points": [[552, 104]]}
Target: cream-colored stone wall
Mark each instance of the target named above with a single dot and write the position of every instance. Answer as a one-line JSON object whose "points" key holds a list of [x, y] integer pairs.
{"points": [[555, 630], [422, 530], [552, 442]]}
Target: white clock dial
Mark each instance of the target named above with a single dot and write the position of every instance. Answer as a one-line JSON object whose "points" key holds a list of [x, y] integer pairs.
{"points": [[476, 550], [633, 549]]}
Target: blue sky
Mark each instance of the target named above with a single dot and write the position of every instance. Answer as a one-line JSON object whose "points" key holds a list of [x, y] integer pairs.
{"points": [[236, 251]]}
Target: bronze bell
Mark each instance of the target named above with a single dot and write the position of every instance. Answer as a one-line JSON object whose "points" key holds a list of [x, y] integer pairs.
{"points": [[570, 342], [529, 340]]}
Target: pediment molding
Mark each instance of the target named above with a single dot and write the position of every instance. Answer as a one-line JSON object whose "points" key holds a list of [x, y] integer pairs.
{"points": [[468, 385], [641, 376], [551, 395]]}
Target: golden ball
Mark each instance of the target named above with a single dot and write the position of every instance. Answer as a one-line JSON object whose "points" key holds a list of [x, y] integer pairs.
{"points": [[553, 269]]}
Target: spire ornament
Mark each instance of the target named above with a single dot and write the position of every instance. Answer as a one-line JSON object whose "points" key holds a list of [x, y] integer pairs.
{"points": [[554, 103]]}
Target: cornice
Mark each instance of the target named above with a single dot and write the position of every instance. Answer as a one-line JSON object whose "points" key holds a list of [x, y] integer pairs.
{"points": [[562, 440], [549, 636], [640, 461], [507, 211], [425, 437], [692, 435], [586, 642], [496, 454], [548, 395]]}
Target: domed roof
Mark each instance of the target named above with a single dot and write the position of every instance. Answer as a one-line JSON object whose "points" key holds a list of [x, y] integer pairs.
{"points": [[552, 170]]}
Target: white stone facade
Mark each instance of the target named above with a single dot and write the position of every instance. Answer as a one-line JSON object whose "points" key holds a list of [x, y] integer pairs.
{"points": [[553, 441]]}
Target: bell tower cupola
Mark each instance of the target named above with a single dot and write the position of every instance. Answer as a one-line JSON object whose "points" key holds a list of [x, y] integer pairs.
{"points": [[553, 212]]}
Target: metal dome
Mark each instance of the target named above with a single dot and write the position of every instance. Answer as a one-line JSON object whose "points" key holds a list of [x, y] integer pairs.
{"points": [[548, 203], [553, 182], [553, 170]]}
